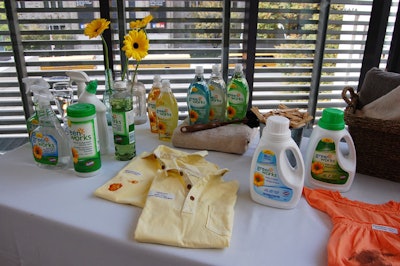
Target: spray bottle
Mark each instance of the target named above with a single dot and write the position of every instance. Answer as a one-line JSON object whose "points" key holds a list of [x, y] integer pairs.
{"points": [[79, 78], [89, 96], [50, 144]]}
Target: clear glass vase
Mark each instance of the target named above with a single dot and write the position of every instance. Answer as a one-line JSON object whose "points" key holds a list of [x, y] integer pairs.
{"points": [[107, 94], [139, 102]]}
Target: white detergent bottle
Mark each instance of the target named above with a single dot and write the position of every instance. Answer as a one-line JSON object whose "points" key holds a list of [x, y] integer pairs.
{"points": [[327, 165], [89, 96], [274, 181]]}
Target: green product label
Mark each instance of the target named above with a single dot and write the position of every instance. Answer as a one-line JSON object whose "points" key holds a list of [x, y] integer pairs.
{"points": [[198, 104], [45, 148], [123, 127], [324, 165], [238, 98], [85, 146]]}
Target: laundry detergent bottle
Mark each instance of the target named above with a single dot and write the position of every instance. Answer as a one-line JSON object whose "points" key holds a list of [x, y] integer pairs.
{"points": [[274, 180], [199, 99], [328, 165]]}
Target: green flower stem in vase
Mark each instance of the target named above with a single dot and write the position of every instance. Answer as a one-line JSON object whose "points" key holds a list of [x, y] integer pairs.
{"points": [[107, 94]]}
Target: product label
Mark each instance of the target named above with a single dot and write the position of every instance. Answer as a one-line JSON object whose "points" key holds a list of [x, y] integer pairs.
{"points": [[166, 121], [237, 100], [123, 127], [45, 148], [324, 165], [266, 180], [85, 146], [198, 104]]}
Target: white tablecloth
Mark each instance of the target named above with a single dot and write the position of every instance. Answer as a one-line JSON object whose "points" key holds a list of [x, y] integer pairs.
{"points": [[52, 218]]}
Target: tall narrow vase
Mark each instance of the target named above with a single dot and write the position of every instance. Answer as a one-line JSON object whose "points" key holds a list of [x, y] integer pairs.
{"points": [[107, 94]]}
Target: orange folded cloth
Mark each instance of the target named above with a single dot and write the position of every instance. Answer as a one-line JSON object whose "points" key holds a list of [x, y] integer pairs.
{"points": [[363, 233]]}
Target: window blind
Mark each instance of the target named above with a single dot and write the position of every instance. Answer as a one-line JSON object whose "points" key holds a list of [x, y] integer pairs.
{"points": [[184, 34]]}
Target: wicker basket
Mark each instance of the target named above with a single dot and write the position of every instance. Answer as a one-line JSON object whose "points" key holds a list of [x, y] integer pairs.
{"points": [[377, 141]]}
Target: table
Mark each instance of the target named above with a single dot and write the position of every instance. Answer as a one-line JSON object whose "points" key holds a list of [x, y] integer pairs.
{"points": [[52, 218]]}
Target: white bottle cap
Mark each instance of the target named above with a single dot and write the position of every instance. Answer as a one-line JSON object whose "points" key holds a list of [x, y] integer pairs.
{"points": [[165, 85], [215, 68], [238, 68], [157, 78], [199, 70], [277, 126]]}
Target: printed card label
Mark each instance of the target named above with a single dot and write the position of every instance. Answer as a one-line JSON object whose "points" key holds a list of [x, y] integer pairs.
{"points": [[385, 228]]}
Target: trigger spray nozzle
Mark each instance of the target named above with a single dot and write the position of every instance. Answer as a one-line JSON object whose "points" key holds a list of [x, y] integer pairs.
{"points": [[40, 89]]}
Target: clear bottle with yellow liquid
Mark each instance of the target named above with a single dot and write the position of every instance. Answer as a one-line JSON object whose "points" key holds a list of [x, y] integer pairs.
{"points": [[151, 103], [167, 112]]}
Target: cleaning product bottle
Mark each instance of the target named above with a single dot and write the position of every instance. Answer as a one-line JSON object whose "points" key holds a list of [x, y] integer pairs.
{"points": [[274, 181], [123, 122], [89, 96], [217, 87], [198, 99], [50, 144], [84, 138], [139, 102], [238, 95], [151, 103], [79, 78], [167, 112], [327, 165]]}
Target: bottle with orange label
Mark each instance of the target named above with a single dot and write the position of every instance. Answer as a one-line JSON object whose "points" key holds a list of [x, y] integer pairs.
{"points": [[167, 112], [151, 103]]}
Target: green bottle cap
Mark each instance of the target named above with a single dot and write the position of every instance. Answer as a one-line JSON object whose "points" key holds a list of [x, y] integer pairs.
{"points": [[332, 119], [81, 110], [92, 87]]}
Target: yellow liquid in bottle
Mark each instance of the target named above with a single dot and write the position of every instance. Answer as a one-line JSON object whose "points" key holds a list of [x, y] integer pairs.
{"points": [[167, 113]]}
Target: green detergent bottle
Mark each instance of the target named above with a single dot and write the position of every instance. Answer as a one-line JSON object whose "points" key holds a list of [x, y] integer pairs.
{"points": [[238, 95]]}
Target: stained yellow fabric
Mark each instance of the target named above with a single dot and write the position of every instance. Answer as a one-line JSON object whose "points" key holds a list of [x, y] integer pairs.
{"points": [[132, 183], [191, 206]]}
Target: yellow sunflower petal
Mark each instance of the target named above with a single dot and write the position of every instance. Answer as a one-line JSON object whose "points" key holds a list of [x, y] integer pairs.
{"points": [[140, 23], [96, 27]]}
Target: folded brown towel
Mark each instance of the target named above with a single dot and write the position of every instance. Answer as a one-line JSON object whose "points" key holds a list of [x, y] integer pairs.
{"points": [[233, 138], [377, 83]]}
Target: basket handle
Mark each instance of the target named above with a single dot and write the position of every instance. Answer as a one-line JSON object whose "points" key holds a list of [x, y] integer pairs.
{"points": [[353, 96]]}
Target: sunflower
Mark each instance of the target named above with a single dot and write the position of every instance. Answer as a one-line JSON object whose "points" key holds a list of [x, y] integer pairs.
{"points": [[96, 27], [75, 155], [161, 128], [258, 179], [231, 112], [37, 152], [193, 115], [212, 114], [141, 23], [136, 45], [317, 168]]}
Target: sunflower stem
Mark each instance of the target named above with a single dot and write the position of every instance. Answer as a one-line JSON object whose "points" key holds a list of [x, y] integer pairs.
{"points": [[107, 63]]}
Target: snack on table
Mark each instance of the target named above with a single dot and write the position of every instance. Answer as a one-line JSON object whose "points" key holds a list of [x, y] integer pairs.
{"points": [[297, 119]]}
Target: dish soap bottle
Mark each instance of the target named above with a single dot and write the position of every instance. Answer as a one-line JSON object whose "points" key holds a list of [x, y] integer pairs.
{"points": [[238, 95], [274, 181], [167, 112], [326, 164], [217, 87], [151, 103], [123, 122], [198, 99], [50, 143], [89, 96]]}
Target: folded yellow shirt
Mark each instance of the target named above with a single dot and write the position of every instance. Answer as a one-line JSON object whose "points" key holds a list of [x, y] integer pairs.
{"points": [[189, 207], [132, 183]]}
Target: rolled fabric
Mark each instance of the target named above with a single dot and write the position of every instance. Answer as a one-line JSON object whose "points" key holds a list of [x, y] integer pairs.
{"points": [[233, 138]]}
